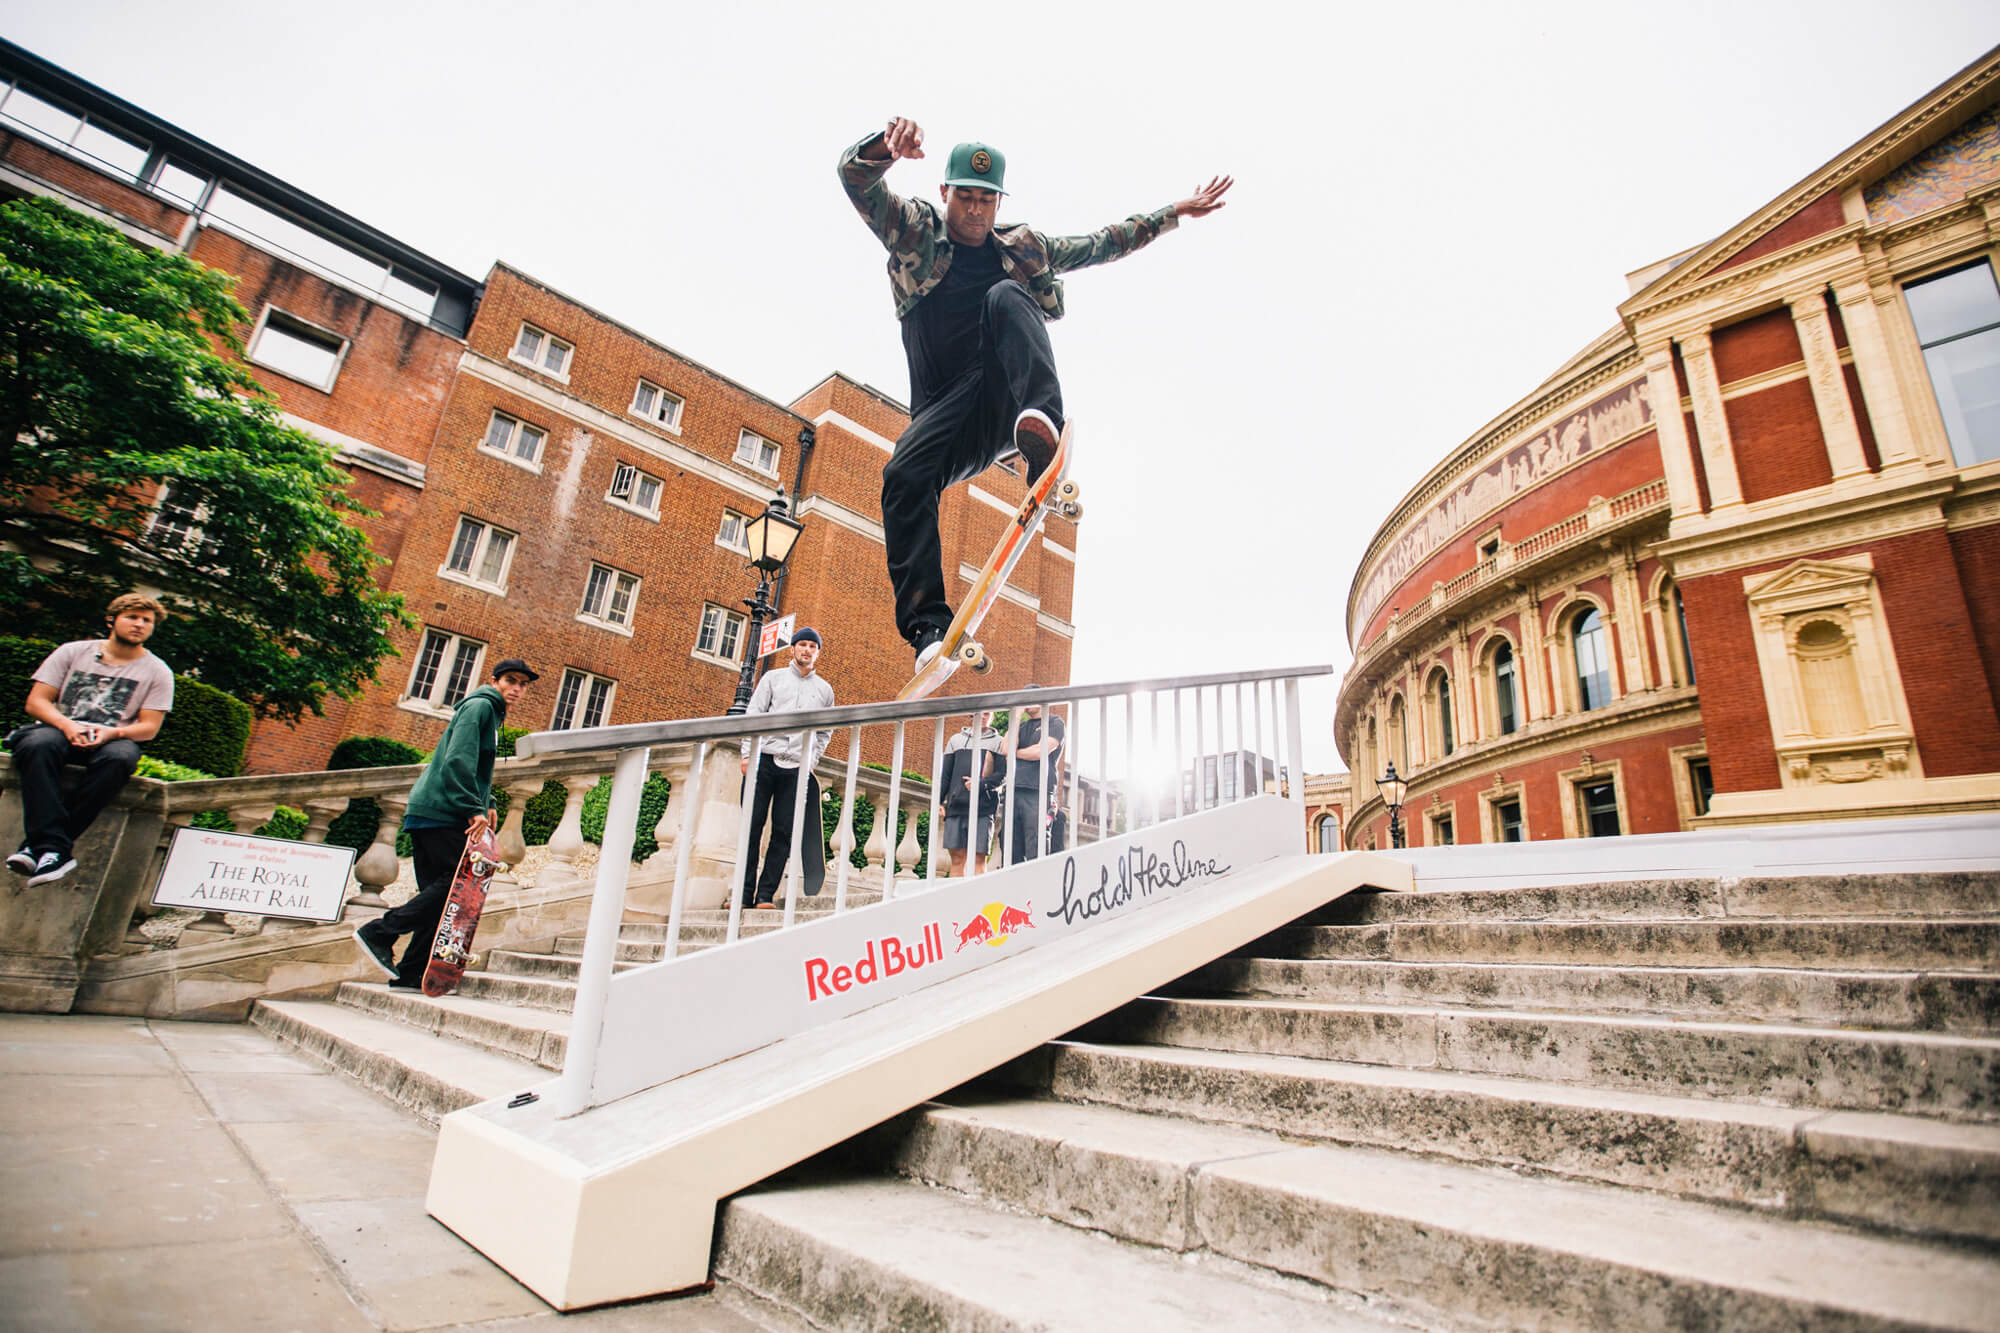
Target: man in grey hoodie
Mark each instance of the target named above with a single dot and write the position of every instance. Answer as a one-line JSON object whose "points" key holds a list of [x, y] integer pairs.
{"points": [[452, 800], [795, 688]]}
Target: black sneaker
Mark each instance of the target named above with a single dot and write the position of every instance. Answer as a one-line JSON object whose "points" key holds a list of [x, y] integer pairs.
{"points": [[50, 867], [378, 951], [1036, 437], [22, 862], [926, 643], [400, 984]]}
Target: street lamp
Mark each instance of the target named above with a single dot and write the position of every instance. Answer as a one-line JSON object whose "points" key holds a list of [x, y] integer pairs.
{"points": [[1394, 789], [770, 537]]}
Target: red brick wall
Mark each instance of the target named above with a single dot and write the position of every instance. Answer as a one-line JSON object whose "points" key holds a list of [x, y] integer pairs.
{"points": [[1976, 552], [1822, 215], [123, 201], [1740, 747], [1777, 440], [1755, 345]]}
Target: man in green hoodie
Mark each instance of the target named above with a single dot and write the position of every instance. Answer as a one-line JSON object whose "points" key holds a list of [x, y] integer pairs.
{"points": [[452, 801]]}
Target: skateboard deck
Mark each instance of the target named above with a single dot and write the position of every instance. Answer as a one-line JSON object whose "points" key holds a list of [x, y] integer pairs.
{"points": [[1052, 490], [453, 945]]}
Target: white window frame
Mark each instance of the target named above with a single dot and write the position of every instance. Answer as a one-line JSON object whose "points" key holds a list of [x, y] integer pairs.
{"points": [[449, 655], [742, 544], [193, 535], [720, 615], [301, 330], [517, 426], [616, 581], [638, 477], [537, 359], [579, 704], [671, 421], [482, 547], [754, 452]]}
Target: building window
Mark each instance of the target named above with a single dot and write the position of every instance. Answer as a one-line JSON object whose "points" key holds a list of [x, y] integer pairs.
{"points": [[754, 451], [480, 554], [1399, 736], [583, 701], [730, 534], [75, 133], [1593, 668], [1441, 830], [1957, 315], [447, 665], [1600, 808], [1440, 707], [514, 440], [1328, 832], [176, 525], [655, 404], [1703, 784], [1507, 820], [543, 351], [634, 489], [1505, 711], [298, 350], [721, 636], [609, 596]]}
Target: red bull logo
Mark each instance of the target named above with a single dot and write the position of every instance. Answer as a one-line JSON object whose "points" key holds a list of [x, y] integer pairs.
{"points": [[995, 924], [880, 960]]}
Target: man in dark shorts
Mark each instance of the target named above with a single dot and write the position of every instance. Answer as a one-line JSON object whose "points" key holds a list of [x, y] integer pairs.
{"points": [[974, 300]]}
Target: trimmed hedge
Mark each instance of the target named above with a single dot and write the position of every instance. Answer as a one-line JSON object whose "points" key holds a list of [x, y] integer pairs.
{"points": [[356, 825], [206, 729]]}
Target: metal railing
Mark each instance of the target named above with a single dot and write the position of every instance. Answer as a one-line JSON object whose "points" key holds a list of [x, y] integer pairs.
{"points": [[1191, 727]]}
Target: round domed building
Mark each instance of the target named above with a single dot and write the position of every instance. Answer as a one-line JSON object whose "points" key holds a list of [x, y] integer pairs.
{"points": [[1739, 560]]}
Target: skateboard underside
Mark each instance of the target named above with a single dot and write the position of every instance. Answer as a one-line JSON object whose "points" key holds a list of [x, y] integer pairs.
{"points": [[452, 948]]}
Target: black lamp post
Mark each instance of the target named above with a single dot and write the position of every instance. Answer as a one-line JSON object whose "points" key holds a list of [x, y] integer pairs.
{"points": [[770, 537], [1394, 789]]}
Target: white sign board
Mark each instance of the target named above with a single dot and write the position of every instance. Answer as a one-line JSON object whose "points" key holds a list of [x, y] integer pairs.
{"points": [[240, 872], [777, 634]]}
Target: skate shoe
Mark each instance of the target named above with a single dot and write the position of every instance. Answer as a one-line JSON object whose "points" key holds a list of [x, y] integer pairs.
{"points": [[929, 639], [1035, 436]]}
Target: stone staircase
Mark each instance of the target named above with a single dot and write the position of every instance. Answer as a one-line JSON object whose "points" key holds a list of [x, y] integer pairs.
{"points": [[1671, 1104]]}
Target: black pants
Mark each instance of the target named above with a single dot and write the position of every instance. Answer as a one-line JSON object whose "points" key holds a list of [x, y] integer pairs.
{"points": [[436, 853], [955, 436], [40, 754], [1024, 839], [777, 790]]}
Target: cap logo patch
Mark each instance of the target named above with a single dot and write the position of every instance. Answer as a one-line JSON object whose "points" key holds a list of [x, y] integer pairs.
{"points": [[982, 162]]}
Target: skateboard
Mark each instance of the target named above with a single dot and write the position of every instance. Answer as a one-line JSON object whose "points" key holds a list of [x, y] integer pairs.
{"points": [[1052, 490], [453, 945]]}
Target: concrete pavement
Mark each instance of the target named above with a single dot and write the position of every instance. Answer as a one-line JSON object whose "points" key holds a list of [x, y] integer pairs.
{"points": [[170, 1176]]}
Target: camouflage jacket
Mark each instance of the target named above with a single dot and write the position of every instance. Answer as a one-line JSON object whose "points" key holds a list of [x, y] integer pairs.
{"points": [[920, 253]]}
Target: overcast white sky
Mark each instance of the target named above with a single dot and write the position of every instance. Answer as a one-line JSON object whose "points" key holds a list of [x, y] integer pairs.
{"points": [[1436, 206]]}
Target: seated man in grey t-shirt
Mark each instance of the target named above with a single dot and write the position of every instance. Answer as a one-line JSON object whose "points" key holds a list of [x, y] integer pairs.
{"points": [[93, 701]]}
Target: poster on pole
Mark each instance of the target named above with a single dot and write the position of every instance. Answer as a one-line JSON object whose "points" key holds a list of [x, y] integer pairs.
{"points": [[777, 634], [241, 872]]}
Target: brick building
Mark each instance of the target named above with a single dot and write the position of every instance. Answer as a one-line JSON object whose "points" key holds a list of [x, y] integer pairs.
{"points": [[1739, 559], [548, 482]]}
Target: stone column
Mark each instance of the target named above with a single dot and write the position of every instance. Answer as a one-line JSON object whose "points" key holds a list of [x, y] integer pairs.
{"points": [[1711, 421], [1537, 699], [1629, 615], [908, 853], [1676, 451], [566, 843], [1875, 364], [712, 869], [377, 869], [513, 839], [1829, 385]]}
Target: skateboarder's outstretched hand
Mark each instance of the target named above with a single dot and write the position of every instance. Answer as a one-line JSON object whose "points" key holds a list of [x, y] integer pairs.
{"points": [[1205, 200], [903, 138]]}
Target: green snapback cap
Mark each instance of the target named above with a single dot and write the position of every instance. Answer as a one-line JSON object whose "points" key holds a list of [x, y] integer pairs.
{"points": [[979, 165]]}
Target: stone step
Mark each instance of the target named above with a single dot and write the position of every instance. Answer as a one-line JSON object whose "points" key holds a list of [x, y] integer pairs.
{"points": [[1925, 895], [860, 1254], [406, 1064], [1834, 944], [554, 994], [1924, 1073], [534, 1036], [1893, 1172], [1962, 1002], [1445, 1241]]}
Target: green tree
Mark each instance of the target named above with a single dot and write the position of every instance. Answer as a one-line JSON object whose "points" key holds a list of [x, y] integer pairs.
{"points": [[112, 385]]}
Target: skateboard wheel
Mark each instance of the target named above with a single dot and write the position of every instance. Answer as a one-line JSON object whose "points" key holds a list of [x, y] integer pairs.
{"points": [[1071, 511], [1068, 493], [975, 657]]}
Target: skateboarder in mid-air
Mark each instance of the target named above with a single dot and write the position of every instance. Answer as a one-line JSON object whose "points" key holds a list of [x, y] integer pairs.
{"points": [[974, 300]]}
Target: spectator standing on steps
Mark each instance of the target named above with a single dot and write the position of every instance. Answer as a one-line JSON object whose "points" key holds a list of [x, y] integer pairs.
{"points": [[94, 702], [972, 751], [1037, 747], [798, 687], [453, 800]]}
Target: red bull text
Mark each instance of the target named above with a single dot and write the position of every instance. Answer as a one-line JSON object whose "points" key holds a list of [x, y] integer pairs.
{"points": [[879, 960]]}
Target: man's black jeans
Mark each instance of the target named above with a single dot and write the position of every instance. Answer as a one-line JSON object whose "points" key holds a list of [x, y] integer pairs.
{"points": [[53, 824], [956, 436], [772, 798], [435, 854]]}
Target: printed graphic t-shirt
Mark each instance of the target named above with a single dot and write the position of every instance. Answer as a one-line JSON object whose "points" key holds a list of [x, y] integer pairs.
{"points": [[98, 690]]}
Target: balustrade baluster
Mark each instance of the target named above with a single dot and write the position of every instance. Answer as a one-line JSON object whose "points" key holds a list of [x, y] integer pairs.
{"points": [[566, 843], [378, 867]]}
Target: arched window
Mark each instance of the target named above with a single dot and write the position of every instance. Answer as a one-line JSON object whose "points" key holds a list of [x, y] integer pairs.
{"points": [[1329, 833], [1399, 736], [1506, 709], [1446, 741], [1687, 651], [1593, 667]]}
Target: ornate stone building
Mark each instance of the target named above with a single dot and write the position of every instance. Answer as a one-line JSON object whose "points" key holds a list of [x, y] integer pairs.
{"points": [[1739, 559]]}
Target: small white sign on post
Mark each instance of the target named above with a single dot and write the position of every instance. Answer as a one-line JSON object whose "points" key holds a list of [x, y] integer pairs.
{"points": [[240, 872], [777, 634]]}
